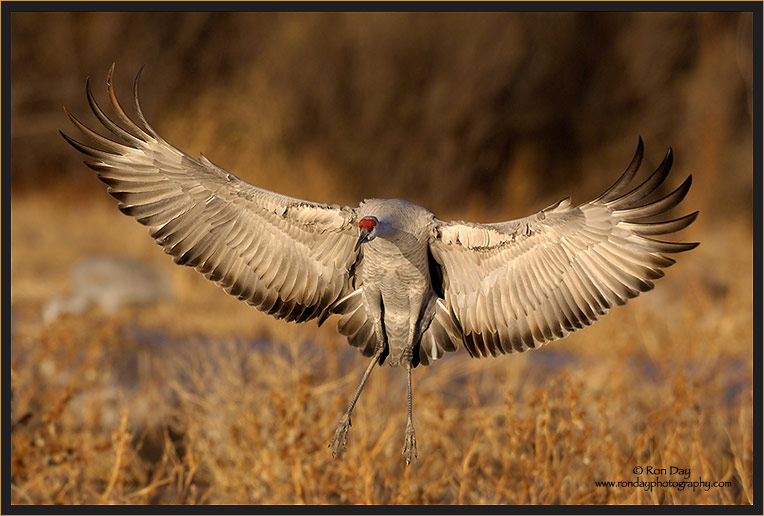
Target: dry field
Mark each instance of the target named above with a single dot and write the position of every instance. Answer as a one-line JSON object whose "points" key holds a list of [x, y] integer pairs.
{"points": [[202, 399]]}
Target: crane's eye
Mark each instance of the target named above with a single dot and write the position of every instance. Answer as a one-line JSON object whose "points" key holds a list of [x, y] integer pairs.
{"points": [[367, 224]]}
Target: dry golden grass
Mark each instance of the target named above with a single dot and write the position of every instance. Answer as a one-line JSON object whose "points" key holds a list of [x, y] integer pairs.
{"points": [[204, 400]]}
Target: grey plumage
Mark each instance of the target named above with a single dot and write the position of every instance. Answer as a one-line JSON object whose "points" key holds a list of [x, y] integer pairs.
{"points": [[407, 286]]}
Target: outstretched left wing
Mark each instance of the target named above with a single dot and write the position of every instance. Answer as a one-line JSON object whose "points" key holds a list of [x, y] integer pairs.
{"points": [[288, 257]]}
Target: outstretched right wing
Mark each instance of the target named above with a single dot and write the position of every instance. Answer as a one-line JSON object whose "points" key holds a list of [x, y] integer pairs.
{"points": [[516, 285], [289, 258]]}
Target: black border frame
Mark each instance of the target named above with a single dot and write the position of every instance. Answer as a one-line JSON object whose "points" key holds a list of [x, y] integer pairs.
{"points": [[8, 8]]}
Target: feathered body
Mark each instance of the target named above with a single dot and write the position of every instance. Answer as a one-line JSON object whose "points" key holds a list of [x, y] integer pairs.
{"points": [[402, 239]]}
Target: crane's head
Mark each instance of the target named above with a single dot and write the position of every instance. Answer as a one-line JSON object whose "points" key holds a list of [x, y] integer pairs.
{"points": [[368, 229]]}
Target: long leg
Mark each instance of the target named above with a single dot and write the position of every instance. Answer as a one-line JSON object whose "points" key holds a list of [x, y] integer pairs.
{"points": [[340, 438], [409, 444]]}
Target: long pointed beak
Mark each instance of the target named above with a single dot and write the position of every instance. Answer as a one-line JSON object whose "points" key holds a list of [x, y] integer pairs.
{"points": [[361, 239]]}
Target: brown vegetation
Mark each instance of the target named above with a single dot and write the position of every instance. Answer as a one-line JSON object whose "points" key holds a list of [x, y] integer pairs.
{"points": [[201, 399]]}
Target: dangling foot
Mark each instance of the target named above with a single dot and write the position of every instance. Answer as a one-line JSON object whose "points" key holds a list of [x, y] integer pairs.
{"points": [[409, 444], [340, 438]]}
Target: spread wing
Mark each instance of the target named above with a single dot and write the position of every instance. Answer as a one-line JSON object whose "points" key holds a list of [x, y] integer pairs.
{"points": [[287, 257], [519, 284]]}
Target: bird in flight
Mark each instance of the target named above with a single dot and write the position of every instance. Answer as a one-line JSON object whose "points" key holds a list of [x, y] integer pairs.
{"points": [[407, 286]]}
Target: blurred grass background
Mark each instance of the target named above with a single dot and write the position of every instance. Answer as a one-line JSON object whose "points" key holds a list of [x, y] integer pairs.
{"points": [[201, 399]]}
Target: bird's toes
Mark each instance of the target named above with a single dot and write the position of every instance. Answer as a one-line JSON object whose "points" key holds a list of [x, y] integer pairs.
{"points": [[409, 445], [340, 439]]}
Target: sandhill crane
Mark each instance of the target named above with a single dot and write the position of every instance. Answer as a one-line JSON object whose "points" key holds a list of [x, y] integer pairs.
{"points": [[408, 287]]}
